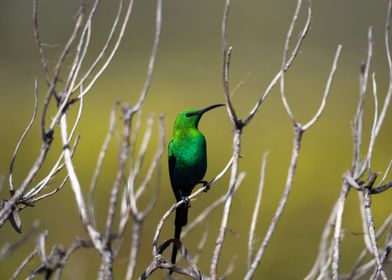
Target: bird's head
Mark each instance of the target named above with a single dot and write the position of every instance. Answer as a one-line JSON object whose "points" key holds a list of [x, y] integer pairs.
{"points": [[190, 118]]}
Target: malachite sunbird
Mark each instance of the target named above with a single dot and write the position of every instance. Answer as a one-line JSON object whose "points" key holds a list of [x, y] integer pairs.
{"points": [[187, 162]]}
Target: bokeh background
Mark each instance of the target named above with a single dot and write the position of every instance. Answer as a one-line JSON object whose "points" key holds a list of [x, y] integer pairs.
{"points": [[188, 74]]}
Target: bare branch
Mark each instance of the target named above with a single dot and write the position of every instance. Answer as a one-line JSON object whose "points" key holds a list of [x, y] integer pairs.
{"points": [[289, 62], [201, 245], [156, 159], [372, 235], [298, 132], [338, 230], [35, 199], [94, 235], [136, 239], [24, 264], [137, 215], [358, 118], [326, 91], [106, 45], [385, 174], [323, 253], [226, 64], [105, 48], [226, 210], [57, 167], [364, 224], [7, 209], [37, 38], [375, 121], [142, 152], [365, 252], [101, 157], [256, 210], [153, 56], [285, 51], [12, 189], [388, 96]]}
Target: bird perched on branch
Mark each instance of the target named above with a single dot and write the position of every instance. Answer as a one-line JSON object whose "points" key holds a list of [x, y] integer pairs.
{"points": [[187, 162]]}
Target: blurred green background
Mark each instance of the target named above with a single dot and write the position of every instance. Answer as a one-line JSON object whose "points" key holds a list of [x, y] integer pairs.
{"points": [[188, 74]]}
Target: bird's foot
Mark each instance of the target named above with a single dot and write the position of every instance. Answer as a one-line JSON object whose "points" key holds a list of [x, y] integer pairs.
{"points": [[206, 185], [187, 200]]}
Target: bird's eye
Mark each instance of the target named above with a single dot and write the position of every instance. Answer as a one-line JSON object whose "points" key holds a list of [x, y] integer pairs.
{"points": [[190, 114]]}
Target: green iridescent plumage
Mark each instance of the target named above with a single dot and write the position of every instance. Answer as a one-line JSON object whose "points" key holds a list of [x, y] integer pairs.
{"points": [[187, 162]]}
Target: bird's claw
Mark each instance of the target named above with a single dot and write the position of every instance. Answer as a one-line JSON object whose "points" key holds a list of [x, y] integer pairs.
{"points": [[206, 185], [186, 200]]}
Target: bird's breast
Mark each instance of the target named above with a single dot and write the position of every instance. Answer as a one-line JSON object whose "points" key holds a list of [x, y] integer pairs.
{"points": [[192, 151], [191, 161]]}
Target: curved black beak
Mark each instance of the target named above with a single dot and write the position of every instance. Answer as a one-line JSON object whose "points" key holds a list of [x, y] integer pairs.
{"points": [[202, 111]]}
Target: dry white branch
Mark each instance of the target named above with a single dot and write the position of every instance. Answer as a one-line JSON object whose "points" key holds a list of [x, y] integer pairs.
{"points": [[138, 215], [388, 96], [101, 157], [105, 48], [379, 270], [338, 230], [226, 210], [324, 256], [373, 134], [24, 264], [326, 91], [94, 235], [287, 65], [298, 133], [106, 45], [13, 158], [256, 210]]}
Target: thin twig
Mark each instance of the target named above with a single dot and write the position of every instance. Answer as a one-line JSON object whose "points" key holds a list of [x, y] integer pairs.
{"points": [[11, 169], [365, 252], [338, 230], [226, 64], [322, 256], [256, 210], [37, 38], [94, 235], [24, 264], [286, 67], [101, 157], [136, 239], [326, 91], [379, 270], [298, 132], [357, 169], [388, 96], [226, 210], [104, 48], [35, 199]]}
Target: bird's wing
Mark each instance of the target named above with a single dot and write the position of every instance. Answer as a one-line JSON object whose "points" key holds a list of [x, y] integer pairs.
{"points": [[172, 160], [172, 165]]}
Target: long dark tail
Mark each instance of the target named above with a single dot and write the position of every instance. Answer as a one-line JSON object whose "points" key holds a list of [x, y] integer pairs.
{"points": [[180, 221]]}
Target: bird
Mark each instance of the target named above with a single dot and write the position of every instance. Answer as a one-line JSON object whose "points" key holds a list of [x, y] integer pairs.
{"points": [[187, 156]]}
